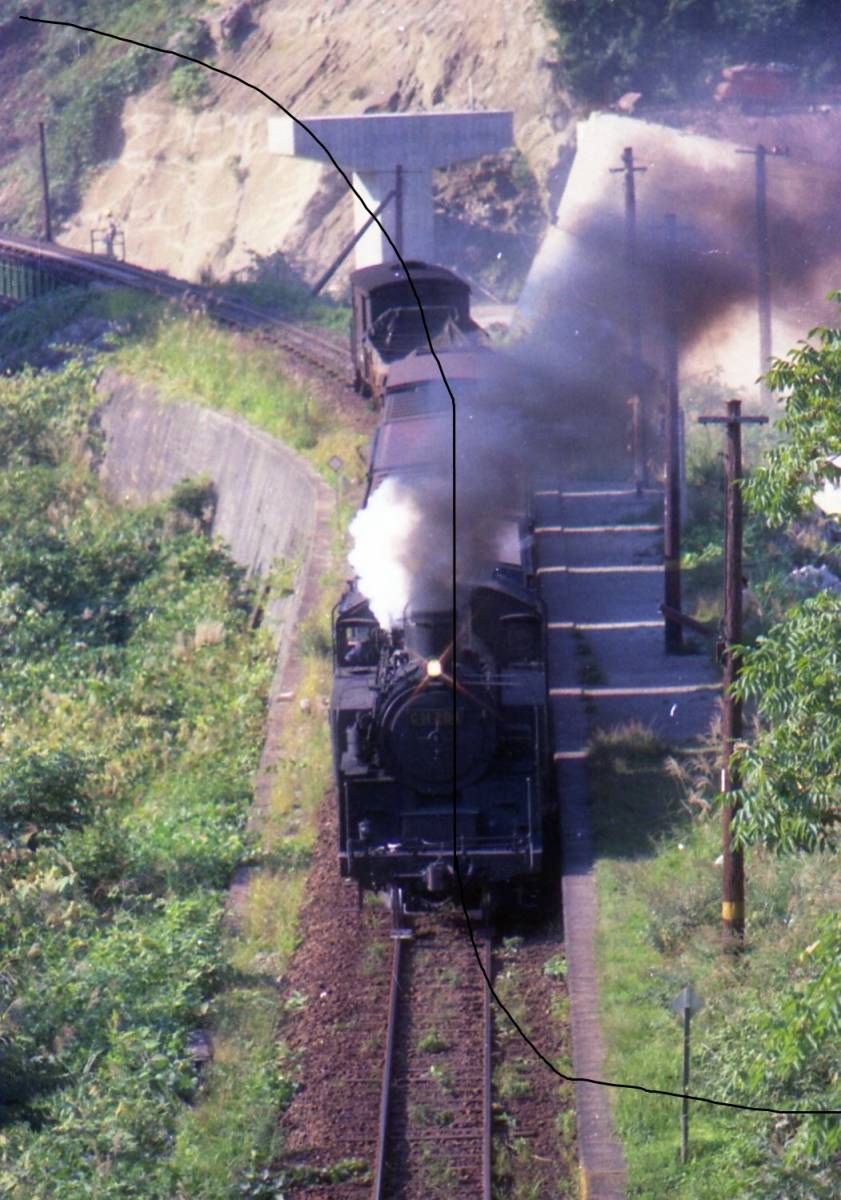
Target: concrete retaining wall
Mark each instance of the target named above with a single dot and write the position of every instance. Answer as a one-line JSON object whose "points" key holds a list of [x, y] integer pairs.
{"points": [[268, 499]]}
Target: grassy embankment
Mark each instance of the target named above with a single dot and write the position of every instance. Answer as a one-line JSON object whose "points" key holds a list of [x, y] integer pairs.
{"points": [[130, 739], [659, 886]]}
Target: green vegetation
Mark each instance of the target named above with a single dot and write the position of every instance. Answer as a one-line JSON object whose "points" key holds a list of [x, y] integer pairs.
{"points": [[189, 358], [271, 283], [519, 1171], [666, 50], [189, 84], [83, 80], [769, 1030], [132, 721], [135, 720]]}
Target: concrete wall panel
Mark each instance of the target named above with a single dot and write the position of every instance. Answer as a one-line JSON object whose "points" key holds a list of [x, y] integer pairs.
{"points": [[268, 498]]}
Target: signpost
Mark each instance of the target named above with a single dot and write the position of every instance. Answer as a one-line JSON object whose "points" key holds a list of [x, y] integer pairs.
{"points": [[335, 464], [685, 1003]]}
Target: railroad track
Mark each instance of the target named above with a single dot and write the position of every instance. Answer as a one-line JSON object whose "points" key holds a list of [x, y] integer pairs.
{"points": [[76, 266], [435, 1121]]}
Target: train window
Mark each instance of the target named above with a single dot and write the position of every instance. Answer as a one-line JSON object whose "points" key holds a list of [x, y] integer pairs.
{"points": [[520, 638], [357, 644]]}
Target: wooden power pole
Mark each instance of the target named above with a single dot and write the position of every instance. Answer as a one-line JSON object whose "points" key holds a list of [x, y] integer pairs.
{"points": [[632, 308], [671, 495], [733, 877], [763, 258], [45, 185]]}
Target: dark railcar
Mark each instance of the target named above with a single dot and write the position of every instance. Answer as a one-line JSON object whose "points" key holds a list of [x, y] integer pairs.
{"points": [[386, 323]]}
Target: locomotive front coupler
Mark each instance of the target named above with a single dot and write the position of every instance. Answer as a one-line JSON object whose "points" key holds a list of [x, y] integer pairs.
{"points": [[438, 877]]}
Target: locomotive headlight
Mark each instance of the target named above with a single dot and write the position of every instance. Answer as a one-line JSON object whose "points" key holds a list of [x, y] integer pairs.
{"points": [[434, 668]]}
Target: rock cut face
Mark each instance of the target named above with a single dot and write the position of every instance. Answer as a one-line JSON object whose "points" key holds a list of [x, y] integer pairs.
{"points": [[198, 192]]}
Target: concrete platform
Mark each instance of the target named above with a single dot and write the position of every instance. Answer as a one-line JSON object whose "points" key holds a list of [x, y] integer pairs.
{"points": [[629, 594], [607, 666], [637, 658], [609, 544]]}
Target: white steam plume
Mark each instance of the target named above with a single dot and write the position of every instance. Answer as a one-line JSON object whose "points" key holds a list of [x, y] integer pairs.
{"points": [[380, 533]]}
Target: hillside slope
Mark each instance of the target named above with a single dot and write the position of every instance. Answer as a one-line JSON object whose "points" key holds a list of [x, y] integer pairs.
{"points": [[197, 191]]}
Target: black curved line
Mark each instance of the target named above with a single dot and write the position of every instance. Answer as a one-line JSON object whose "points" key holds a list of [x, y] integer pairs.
{"points": [[636, 1087]]}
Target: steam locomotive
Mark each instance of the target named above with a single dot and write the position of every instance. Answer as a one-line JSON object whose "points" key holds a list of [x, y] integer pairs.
{"points": [[439, 716]]}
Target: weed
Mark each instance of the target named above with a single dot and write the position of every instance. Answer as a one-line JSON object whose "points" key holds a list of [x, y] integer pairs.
{"points": [[374, 958], [555, 967], [511, 1081], [431, 1114], [438, 1173], [433, 1043], [452, 977], [442, 1076]]}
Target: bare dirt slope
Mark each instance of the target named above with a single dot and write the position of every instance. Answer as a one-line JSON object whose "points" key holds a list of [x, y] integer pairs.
{"points": [[198, 191]]}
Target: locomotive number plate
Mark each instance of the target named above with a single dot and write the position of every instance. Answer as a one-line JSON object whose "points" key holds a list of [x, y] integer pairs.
{"points": [[434, 716]]}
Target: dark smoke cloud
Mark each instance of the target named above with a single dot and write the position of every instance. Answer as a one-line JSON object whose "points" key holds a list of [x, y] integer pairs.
{"points": [[556, 405]]}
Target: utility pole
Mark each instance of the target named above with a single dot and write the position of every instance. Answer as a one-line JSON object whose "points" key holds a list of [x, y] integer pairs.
{"points": [[733, 872], [629, 170], [45, 187], [671, 494], [763, 258]]}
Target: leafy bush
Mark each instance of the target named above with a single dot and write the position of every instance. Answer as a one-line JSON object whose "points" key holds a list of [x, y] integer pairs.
{"points": [[40, 416], [134, 698], [46, 791], [87, 123], [189, 85], [791, 794]]}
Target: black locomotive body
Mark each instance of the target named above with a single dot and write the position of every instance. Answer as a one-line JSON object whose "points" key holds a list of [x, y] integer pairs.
{"points": [[439, 747], [386, 324], [439, 723]]}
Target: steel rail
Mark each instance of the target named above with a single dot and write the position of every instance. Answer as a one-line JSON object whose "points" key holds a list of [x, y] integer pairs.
{"points": [[487, 1073], [83, 267], [377, 1192], [383, 1129]]}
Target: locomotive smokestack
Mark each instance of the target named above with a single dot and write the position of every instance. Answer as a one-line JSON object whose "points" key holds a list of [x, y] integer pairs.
{"points": [[428, 634]]}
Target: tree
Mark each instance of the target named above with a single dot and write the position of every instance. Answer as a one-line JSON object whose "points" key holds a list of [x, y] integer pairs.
{"points": [[791, 774], [666, 48]]}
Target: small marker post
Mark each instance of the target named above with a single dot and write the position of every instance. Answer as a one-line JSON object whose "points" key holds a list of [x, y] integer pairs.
{"points": [[685, 1003], [335, 464]]}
